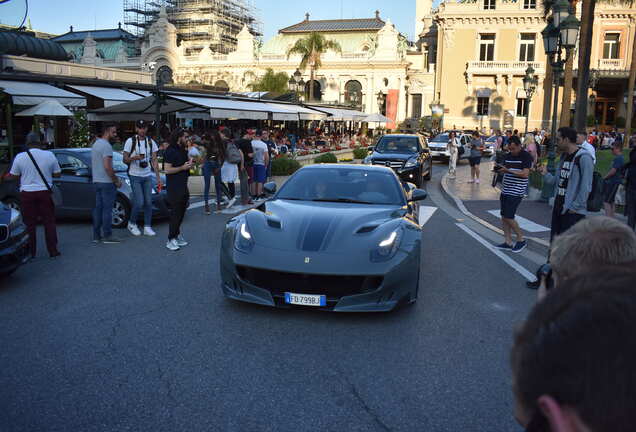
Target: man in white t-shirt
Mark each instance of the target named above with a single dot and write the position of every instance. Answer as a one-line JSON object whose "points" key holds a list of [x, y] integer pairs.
{"points": [[261, 160], [581, 141], [140, 154], [35, 195]]}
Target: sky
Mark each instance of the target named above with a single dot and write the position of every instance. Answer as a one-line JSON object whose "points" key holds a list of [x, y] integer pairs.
{"points": [[55, 16]]}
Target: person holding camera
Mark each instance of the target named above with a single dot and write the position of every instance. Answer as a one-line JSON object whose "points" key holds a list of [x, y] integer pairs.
{"points": [[140, 152], [476, 148], [516, 170], [177, 166]]}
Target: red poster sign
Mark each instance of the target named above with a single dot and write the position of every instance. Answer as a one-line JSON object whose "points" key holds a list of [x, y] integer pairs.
{"points": [[392, 107]]}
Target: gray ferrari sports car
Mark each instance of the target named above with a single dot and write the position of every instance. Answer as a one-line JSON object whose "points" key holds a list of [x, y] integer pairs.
{"points": [[335, 237]]}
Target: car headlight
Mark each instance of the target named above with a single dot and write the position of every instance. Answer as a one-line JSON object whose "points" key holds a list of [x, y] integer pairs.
{"points": [[16, 220], [387, 248], [410, 163], [243, 242]]}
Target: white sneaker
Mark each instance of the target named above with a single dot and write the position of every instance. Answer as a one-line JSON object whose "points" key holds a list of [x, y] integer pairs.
{"points": [[477, 181], [180, 241], [231, 203], [133, 229], [172, 245], [149, 232]]}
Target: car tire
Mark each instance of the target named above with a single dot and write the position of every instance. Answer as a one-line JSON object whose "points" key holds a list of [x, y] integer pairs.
{"points": [[418, 180], [121, 212], [12, 203], [428, 175]]}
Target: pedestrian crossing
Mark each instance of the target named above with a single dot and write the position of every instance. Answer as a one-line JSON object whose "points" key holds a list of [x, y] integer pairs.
{"points": [[525, 224]]}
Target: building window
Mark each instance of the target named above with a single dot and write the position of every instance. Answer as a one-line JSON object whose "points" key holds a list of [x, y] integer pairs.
{"points": [[611, 46], [416, 110], [489, 4], [486, 47], [482, 106], [526, 48], [529, 4], [353, 93], [522, 107]]}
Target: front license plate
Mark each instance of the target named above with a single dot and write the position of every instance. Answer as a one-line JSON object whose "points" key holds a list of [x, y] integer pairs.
{"points": [[306, 299]]}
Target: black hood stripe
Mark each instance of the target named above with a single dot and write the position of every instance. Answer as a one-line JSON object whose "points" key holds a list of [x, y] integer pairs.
{"points": [[316, 230]]}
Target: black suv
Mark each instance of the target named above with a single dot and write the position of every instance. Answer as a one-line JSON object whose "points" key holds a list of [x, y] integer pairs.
{"points": [[407, 154], [14, 249]]}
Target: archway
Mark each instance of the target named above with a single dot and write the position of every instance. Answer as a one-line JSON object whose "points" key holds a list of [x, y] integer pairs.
{"points": [[353, 93], [222, 85], [164, 75], [317, 91]]}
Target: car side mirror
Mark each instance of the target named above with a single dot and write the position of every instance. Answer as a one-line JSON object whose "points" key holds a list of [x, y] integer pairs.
{"points": [[270, 188], [370, 149], [418, 195], [82, 172]]}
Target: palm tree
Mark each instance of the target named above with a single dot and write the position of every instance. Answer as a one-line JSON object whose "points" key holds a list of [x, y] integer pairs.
{"points": [[311, 48], [271, 82]]}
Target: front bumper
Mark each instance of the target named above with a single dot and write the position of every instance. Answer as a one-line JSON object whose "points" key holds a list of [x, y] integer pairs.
{"points": [[440, 154], [15, 251], [408, 174], [397, 286]]}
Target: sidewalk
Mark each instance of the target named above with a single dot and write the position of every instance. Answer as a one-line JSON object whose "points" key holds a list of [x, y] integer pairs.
{"points": [[481, 202]]}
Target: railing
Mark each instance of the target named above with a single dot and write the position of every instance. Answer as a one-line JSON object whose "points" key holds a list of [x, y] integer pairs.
{"points": [[611, 64], [502, 66], [354, 55], [274, 57]]}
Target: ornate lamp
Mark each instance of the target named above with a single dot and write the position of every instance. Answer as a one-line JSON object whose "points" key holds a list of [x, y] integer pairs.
{"points": [[569, 30], [560, 11], [550, 35]]}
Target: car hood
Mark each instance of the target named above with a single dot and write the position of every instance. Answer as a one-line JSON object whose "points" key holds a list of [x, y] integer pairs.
{"points": [[392, 156], [335, 228]]}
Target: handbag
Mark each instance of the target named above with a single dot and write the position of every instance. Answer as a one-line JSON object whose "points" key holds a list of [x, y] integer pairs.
{"points": [[233, 155], [56, 194]]}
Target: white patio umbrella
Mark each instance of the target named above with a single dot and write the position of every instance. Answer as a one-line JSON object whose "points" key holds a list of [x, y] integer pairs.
{"points": [[48, 108], [376, 118]]}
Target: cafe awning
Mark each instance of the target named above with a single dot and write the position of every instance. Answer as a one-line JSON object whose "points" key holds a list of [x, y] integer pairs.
{"points": [[34, 93], [303, 113], [141, 109], [339, 114], [110, 95]]}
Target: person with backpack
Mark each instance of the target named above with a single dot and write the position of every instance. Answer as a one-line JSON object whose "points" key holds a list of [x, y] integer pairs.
{"points": [[140, 154], [573, 186], [36, 169], [230, 167], [613, 179]]}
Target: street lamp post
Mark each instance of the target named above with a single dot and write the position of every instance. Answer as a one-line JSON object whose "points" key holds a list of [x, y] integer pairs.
{"points": [[296, 84], [560, 34], [530, 86]]}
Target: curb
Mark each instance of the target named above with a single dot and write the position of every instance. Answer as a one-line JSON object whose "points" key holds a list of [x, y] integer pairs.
{"points": [[462, 208]]}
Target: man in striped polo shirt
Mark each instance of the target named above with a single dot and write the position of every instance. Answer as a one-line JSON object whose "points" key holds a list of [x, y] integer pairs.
{"points": [[516, 170]]}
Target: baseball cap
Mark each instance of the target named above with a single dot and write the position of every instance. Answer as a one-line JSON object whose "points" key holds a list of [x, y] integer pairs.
{"points": [[141, 124], [259, 132]]}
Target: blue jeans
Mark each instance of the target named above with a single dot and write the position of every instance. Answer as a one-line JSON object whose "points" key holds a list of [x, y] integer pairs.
{"points": [[208, 172], [142, 197], [105, 194]]}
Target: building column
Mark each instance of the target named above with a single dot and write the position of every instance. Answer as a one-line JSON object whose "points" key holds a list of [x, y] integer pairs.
{"points": [[401, 102]]}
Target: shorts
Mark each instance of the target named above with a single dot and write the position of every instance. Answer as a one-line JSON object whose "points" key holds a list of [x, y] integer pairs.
{"points": [[250, 173], [609, 192], [509, 205], [474, 160], [260, 173]]}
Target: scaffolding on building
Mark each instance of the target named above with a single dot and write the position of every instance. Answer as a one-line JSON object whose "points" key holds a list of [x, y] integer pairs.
{"points": [[200, 23]]}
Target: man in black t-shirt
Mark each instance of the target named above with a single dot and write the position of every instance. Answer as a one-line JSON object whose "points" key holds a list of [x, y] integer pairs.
{"points": [[177, 166], [516, 170]]}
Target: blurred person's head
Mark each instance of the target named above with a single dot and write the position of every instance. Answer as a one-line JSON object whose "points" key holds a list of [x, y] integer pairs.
{"points": [[108, 131], [179, 137], [33, 139], [594, 241], [581, 137], [265, 135], [141, 127], [514, 146], [566, 138], [617, 148], [573, 358]]}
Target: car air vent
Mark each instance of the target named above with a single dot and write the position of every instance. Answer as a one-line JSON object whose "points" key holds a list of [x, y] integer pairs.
{"points": [[274, 223], [366, 229]]}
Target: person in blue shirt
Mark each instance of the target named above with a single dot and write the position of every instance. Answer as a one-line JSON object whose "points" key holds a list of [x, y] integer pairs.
{"points": [[613, 179]]}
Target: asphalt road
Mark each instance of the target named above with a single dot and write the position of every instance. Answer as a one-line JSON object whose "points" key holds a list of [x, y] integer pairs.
{"points": [[133, 337]]}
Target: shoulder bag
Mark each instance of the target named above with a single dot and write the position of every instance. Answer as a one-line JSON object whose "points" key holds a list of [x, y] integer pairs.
{"points": [[56, 194]]}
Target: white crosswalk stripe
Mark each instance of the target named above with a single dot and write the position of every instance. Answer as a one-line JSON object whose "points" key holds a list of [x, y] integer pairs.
{"points": [[524, 224], [426, 212]]}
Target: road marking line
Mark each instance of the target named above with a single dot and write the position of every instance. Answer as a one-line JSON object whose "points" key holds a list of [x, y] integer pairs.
{"points": [[196, 205], [426, 212], [505, 258], [524, 224]]}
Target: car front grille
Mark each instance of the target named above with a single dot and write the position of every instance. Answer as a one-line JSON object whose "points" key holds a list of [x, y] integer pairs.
{"points": [[390, 164], [333, 286], [4, 233]]}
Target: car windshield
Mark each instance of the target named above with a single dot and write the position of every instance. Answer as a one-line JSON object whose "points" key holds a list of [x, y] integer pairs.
{"points": [[397, 144], [118, 163], [492, 139], [356, 186], [440, 138]]}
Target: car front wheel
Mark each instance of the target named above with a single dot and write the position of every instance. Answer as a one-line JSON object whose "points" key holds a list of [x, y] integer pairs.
{"points": [[121, 212]]}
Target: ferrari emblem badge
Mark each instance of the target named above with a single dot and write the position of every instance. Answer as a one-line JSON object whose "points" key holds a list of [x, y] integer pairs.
{"points": [[307, 260]]}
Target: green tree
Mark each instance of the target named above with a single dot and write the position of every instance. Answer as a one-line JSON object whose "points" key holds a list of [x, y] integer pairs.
{"points": [[311, 48], [271, 82], [81, 131]]}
